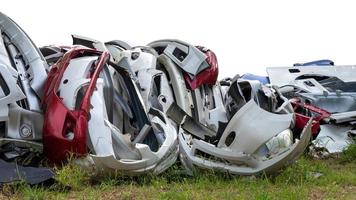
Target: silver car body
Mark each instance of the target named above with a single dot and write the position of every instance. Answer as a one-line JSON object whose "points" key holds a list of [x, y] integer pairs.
{"points": [[200, 112], [23, 72], [111, 149]]}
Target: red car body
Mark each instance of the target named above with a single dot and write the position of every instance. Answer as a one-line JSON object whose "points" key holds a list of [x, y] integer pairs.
{"points": [[207, 76], [59, 120], [302, 119]]}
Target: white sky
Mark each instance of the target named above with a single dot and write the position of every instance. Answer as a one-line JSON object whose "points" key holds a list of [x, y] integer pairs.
{"points": [[247, 36]]}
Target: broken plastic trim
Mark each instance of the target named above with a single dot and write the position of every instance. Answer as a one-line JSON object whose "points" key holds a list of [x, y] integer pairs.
{"points": [[11, 172], [239, 161], [187, 57], [305, 112], [208, 76], [59, 119], [35, 64], [188, 123]]}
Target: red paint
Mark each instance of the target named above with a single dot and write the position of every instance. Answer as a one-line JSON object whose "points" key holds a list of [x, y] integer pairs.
{"points": [[318, 115], [207, 76], [58, 119]]}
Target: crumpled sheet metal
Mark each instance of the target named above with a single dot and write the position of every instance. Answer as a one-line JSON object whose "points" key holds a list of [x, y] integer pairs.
{"points": [[242, 161]]}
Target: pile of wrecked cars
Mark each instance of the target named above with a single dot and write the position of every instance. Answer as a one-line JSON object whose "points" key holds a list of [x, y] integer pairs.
{"points": [[134, 110]]}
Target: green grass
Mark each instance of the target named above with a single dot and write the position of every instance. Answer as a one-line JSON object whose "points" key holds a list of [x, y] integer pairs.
{"points": [[349, 154], [72, 176], [299, 181]]}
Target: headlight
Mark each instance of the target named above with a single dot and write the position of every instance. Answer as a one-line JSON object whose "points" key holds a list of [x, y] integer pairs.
{"points": [[276, 144]]}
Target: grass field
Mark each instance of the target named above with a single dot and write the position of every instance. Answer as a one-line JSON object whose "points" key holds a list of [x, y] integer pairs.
{"points": [[306, 179]]}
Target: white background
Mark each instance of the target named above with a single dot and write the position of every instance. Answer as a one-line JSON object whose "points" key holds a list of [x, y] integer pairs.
{"points": [[247, 36]]}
